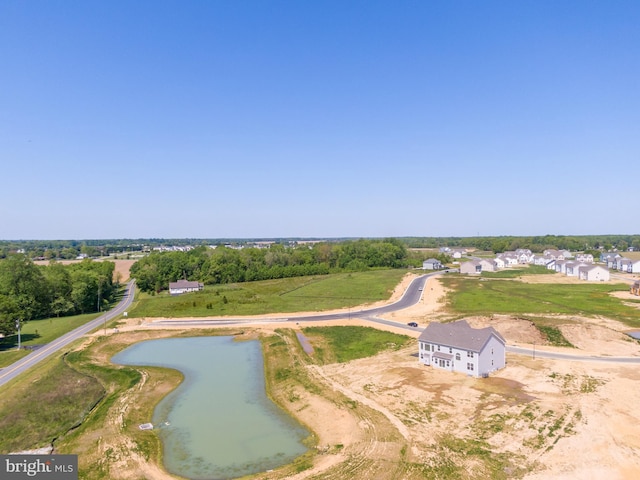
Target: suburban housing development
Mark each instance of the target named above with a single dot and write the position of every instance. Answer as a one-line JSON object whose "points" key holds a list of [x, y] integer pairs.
{"points": [[580, 265], [457, 347]]}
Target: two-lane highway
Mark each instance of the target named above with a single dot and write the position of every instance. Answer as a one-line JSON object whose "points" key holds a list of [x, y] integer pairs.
{"points": [[15, 369]]}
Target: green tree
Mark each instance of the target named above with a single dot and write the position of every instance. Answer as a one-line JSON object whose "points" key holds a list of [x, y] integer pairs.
{"points": [[9, 313], [22, 280]]}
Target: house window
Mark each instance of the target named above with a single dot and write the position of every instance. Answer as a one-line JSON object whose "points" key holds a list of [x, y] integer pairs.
{"points": [[470, 366], [447, 363], [492, 363], [491, 350], [457, 356], [470, 354], [450, 351], [438, 347]]}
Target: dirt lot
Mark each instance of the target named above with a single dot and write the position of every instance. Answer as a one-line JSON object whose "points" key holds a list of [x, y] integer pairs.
{"points": [[535, 419], [121, 271]]}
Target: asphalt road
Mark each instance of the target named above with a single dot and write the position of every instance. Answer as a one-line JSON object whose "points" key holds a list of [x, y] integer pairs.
{"points": [[411, 296], [535, 353], [15, 369]]}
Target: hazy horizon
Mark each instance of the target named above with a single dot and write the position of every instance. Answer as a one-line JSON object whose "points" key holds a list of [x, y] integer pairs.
{"points": [[164, 119]]}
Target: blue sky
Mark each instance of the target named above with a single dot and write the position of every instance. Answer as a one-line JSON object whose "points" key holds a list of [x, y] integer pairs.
{"points": [[218, 119]]}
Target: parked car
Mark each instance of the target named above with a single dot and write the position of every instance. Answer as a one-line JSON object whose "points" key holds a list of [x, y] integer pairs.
{"points": [[412, 324]]}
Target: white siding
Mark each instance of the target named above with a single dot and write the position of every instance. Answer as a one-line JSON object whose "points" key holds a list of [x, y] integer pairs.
{"points": [[492, 356]]}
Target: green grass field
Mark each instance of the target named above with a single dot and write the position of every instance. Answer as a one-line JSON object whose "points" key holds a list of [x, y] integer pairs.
{"points": [[39, 332], [518, 272], [342, 344], [475, 296], [315, 293]]}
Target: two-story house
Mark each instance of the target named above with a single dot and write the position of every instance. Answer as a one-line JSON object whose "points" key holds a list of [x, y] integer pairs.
{"points": [[457, 347]]}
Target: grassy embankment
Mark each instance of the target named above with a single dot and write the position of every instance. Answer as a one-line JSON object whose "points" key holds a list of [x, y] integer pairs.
{"points": [[540, 303], [315, 293]]}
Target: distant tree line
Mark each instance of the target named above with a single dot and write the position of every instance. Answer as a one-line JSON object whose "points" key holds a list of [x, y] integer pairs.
{"points": [[226, 265], [29, 291], [70, 249]]}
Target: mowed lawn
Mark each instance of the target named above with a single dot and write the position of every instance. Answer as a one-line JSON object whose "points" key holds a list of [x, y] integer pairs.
{"points": [[38, 332], [483, 296], [298, 294]]}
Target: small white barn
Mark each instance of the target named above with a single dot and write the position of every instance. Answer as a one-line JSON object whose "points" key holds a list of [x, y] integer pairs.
{"points": [[184, 286], [457, 347]]}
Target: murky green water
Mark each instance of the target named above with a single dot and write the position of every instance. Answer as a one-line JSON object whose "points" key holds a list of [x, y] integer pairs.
{"points": [[220, 422]]}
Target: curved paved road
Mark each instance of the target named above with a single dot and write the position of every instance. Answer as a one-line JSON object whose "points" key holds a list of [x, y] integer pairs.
{"points": [[411, 296], [15, 369]]}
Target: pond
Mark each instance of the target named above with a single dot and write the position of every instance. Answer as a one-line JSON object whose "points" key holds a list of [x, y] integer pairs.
{"points": [[218, 423]]}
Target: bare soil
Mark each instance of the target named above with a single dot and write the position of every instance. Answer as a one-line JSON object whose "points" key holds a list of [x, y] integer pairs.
{"points": [[388, 417], [120, 273]]}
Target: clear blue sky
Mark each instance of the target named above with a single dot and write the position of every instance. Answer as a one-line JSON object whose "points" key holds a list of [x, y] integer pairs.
{"points": [[214, 119]]}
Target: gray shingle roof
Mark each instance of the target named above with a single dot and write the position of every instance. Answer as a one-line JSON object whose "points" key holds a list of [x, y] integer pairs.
{"points": [[459, 335], [184, 284]]}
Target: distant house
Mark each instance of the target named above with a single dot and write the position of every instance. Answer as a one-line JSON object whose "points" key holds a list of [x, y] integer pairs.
{"points": [[541, 260], [472, 267], [500, 262], [431, 264], [555, 254], [184, 286], [524, 255], [488, 265], [594, 273], [458, 252], [561, 266], [623, 264], [584, 257], [510, 259], [572, 269], [457, 347], [609, 258]]}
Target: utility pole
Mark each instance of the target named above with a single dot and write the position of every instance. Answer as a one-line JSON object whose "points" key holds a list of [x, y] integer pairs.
{"points": [[18, 328]]}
